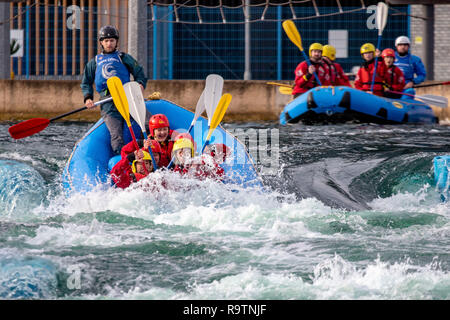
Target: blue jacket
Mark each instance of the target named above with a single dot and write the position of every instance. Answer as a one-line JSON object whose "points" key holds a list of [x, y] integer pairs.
{"points": [[90, 69], [410, 65]]}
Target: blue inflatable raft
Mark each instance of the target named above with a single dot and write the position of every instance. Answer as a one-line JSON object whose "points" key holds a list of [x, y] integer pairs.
{"points": [[341, 104], [89, 163]]}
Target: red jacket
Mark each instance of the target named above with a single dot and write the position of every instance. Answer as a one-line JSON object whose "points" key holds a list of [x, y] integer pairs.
{"points": [[363, 80], [166, 147], [166, 156], [208, 168], [395, 79], [337, 75], [305, 81], [130, 148], [122, 174]]}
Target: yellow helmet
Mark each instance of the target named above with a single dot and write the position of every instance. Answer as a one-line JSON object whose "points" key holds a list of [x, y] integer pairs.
{"points": [[146, 157], [329, 51], [367, 47], [315, 46], [183, 143]]}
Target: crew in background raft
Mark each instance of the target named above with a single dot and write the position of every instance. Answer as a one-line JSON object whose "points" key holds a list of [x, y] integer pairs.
{"points": [[304, 74], [363, 80], [394, 79], [411, 65], [337, 75], [98, 70]]}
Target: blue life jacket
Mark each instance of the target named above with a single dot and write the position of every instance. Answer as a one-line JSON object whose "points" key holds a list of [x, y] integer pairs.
{"points": [[411, 65], [109, 65]]}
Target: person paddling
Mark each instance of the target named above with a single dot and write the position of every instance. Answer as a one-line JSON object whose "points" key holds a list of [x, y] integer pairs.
{"points": [[363, 80], [394, 78], [161, 133], [337, 75], [110, 62], [304, 74], [411, 65], [135, 166]]}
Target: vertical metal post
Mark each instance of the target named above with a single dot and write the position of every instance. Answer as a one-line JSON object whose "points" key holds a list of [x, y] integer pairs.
{"points": [[64, 34], [5, 71], [11, 26], [408, 21], [55, 38], [429, 41], [170, 45], [46, 40], [247, 72], [155, 42], [37, 39], [279, 44], [27, 33], [137, 32], [19, 67]]}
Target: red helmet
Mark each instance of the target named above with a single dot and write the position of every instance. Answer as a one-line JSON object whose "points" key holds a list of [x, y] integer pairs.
{"points": [[388, 53], [184, 135], [158, 121]]}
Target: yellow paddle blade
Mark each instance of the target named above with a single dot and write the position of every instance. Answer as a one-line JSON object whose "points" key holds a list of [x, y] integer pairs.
{"points": [[285, 90], [117, 92], [222, 107], [292, 33]]}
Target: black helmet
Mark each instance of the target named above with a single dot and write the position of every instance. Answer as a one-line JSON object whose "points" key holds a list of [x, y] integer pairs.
{"points": [[108, 32]]}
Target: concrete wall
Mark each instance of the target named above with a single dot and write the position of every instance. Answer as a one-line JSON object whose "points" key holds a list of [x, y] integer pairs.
{"points": [[24, 99], [252, 100], [442, 114], [441, 41], [440, 48]]}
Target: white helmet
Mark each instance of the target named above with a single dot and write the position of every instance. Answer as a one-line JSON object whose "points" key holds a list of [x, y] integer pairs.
{"points": [[402, 40]]}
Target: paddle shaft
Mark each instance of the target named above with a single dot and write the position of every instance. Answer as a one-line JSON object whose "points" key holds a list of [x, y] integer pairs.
{"points": [[279, 84], [376, 65], [80, 109], [381, 20], [428, 100], [294, 35], [309, 63], [432, 84], [406, 94]]}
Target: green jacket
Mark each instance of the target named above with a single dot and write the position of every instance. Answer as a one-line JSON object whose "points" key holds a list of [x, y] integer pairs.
{"points": [[89, 74]]}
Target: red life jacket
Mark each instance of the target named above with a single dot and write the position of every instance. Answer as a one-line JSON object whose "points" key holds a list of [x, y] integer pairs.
{"points": [[122, 173], [130, 148], [166, 148], [341, 78], [395, 79], [364, 77], [305, 81]]}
